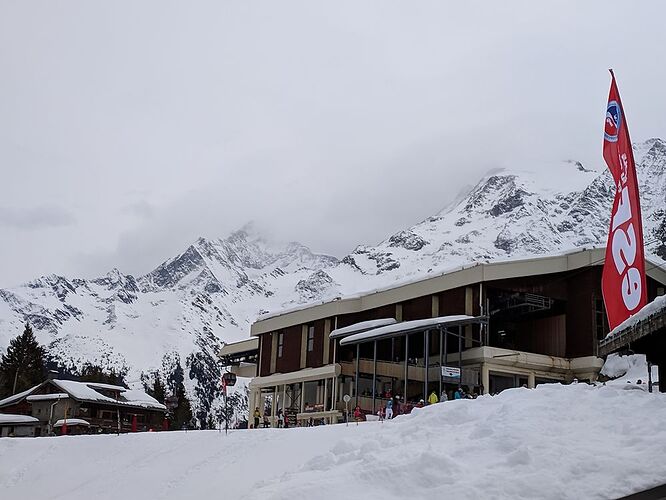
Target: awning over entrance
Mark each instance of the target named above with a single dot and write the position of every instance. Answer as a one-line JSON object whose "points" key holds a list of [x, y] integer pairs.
{"points": [[407, 327], [303, 375], [363, 326]]}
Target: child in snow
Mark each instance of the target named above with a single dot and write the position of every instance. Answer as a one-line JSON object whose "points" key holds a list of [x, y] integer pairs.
{"points": [[389, 409]]}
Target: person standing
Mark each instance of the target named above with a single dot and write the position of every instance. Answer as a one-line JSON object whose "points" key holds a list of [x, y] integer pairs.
{"points": [[389, 409], [257, 416], [433, 399]]}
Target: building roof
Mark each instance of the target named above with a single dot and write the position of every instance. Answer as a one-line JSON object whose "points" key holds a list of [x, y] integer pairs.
{"points": [[650, 319], [9, 419], [17, 398], [251, 344], [47, 397], [418, 325], [85, 391], [453, 278], [361, 327]]}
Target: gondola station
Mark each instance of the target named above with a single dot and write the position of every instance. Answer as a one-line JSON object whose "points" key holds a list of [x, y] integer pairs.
{"points": [[482, 328]]}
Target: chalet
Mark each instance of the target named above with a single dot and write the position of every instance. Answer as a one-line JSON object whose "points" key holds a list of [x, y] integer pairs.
{"points": [[485, 327], [86, 407]]}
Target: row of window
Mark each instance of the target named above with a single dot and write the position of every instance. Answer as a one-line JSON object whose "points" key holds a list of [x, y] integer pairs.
{"points": [[310, 343]]}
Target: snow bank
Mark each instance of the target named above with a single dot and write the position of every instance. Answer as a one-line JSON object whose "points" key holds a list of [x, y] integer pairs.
{"points": [[553, 442], [631, 368]]}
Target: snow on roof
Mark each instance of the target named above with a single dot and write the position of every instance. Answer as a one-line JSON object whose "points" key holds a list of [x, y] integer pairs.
{"points": [[654, 307], [84, 391], [140, 398], [47, 397], [405, 326], [361, 327], [108, 387], [17, 397], [440, 273], [71, 421], [8, 418]]}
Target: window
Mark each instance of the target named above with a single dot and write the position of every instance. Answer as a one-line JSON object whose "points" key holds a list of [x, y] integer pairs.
{"points": [[599, 318], [310, 338], [280, 343]]}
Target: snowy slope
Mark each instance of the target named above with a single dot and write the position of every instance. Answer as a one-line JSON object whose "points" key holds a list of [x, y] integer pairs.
{"points": [[552, 442], [210, 293], [512, 214]]}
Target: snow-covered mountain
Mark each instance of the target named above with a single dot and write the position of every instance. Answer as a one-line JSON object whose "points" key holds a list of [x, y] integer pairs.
{"points": [[209, 294]]}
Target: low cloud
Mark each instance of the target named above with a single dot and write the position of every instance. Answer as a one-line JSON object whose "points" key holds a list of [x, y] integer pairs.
{"points": [[34, 218]]}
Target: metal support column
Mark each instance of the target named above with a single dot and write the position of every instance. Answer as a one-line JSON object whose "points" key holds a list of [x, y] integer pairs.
{"points": [[404, 396], [374, 375], [358, 359], [460, 356], [440, 363], [426, 362]]}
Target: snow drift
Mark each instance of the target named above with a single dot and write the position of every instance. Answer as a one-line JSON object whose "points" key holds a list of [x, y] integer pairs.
{"points": [[552, 442]]}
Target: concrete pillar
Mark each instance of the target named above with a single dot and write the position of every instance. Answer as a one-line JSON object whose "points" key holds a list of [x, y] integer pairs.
{"points": [[469, 310], [398, 312], [304, 345], [531, 380], [274, 342], [485, 378], [327, 341], [435, 306]]}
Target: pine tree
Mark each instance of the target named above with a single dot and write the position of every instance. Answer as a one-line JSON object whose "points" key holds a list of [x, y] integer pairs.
{"points": [[23, 366], [182, 414], [158, 391]]}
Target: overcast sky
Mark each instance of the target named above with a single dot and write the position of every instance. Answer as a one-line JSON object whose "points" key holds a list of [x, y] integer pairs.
{"points": [[128, 129]]}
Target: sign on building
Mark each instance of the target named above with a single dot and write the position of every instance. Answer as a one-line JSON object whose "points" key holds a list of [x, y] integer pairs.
{"points": [[451, 372]]}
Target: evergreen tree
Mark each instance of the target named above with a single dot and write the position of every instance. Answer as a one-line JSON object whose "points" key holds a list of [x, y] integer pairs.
{"points": [[23, 366], [182, 414], [95, 373], [158, 390]]}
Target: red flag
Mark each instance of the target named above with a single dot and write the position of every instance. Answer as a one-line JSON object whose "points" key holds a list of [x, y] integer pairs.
{"points": [[623, 280]]}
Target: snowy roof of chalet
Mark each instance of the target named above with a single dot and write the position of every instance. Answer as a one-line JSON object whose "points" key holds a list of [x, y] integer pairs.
{"points": [[361, 327], [8, 418], [17, 397], [107, 387], [85, 391], [71, 421], [409, 327], [47, 397]]}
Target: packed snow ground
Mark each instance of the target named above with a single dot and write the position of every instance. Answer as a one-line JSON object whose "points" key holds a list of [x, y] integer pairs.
{"points": [[555, 441]]}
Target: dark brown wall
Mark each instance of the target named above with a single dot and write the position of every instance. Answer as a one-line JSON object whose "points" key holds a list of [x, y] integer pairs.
{"points": [[387, 311], [265, 362], [314, 358], [419, 308], [582, 288], [291, 350], [452, 302]]}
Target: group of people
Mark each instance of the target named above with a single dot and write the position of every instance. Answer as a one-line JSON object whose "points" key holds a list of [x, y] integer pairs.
{"points": [[281, 421]]}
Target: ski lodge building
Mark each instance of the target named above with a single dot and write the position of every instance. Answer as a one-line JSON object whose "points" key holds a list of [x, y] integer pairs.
{"points": [[485, 327], [66, 406]]}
